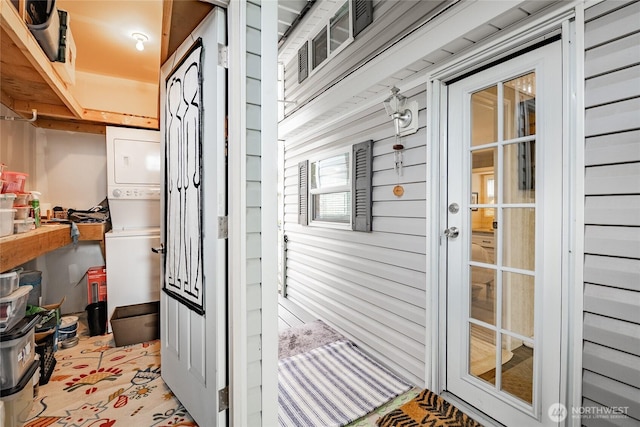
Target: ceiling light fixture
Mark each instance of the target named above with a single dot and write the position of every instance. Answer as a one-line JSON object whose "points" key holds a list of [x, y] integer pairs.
{"points": [[140, 40]]}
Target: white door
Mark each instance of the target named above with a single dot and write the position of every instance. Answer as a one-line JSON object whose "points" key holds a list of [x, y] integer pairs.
{"points": [[193, 302], [504, 238]]}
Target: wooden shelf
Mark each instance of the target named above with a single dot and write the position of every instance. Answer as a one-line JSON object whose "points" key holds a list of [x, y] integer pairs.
{"points": [[17, 249], [29, 80]]}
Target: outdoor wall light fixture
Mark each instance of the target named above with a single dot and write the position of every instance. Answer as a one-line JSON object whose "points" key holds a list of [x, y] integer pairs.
{"points": [[140, 40], [405, 120]]}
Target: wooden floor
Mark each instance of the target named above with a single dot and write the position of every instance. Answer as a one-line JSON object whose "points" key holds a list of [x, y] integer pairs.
{"points": [[290, 314]]}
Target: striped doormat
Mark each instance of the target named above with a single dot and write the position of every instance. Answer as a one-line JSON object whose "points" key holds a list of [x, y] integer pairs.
{"points": [[332, 385], [427, 409]]}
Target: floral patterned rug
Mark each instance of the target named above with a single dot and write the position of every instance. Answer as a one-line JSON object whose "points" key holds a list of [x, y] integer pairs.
{"points": [[96, 384]]}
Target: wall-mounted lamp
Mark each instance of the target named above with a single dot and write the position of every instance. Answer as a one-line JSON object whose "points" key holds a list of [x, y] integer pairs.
{"points": [[140, 40], [403, 112], [405, 119]]}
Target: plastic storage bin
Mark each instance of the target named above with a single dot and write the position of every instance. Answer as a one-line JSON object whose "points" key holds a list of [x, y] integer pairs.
{"points": [[22, 199], [18, 400], [17, 351], [13, 181], [9, 283], [6, 221], [23, 225], [6, 200], [13, 308], [32, 278], [22, 212]]}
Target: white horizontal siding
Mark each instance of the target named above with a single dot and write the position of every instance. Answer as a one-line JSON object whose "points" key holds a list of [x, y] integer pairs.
{"points": [[369, 286], [609, 271], [611, 329], [613, 333], [613, 148], [611, 393]]}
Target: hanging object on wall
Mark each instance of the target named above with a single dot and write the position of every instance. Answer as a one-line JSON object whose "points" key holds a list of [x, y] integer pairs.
{"points": [[405, 120], [398, 190]]}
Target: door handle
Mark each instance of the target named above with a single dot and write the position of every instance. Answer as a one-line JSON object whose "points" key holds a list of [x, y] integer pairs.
{"points": [[158, 250], [452, 232]]}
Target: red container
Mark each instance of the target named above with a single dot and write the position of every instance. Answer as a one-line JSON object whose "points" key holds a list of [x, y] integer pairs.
{"points": [[13, 181], [96, 284]]}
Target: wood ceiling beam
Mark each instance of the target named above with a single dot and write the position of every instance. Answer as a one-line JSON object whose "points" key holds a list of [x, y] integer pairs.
{"points": [[72, 126], [167, 8], [58, 111], [109, 118]]}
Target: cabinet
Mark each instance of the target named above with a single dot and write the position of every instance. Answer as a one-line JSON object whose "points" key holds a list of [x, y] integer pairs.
{"points": [[485, 239]]}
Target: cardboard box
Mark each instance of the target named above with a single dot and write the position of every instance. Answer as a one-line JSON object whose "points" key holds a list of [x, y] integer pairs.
{"points": [[133, 324], [96, 284]]}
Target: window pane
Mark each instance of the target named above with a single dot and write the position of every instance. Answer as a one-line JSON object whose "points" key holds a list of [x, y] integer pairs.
{"points": [[331, 172], [320, 48], [517, 372], [520, 107], [482, 353], [339, 27], [484, 116], [520, 172], [335, 207], [518, 296], [519, 238]]}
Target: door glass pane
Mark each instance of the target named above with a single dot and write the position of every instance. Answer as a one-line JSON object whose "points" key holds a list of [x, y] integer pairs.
{"points": [[518, 238], [339, 27], [517, 303], [482, 284], [484, 116], [482, 352], [517, 368], [520, 106], [520, 172]]}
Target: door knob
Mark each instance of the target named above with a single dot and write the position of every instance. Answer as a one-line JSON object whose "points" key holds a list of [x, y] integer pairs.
{"points": [[452, 232], [158, 250]]}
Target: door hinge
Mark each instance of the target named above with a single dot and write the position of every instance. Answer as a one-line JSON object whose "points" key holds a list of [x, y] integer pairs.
{"points": [[223, 399], [223, 55], [223, 227]]}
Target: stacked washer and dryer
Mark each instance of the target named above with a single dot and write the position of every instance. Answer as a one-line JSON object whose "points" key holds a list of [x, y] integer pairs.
{"points": [[133, 191]]}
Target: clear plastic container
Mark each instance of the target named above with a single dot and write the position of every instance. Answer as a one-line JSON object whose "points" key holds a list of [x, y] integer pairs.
{"points": [[6, 221], [6, 200], [18, 401], [22, 212], [17, 351], [22, 199], [8, 283], [13, 307], [23, 225]]}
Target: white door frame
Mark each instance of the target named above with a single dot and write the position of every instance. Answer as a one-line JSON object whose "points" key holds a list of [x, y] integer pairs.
{"points": [[561, 20]]}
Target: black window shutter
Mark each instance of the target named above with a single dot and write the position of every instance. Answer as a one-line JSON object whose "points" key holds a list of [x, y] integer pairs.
{"points": [[303, 193], [303, 62], [361, 161], [362, 15]]}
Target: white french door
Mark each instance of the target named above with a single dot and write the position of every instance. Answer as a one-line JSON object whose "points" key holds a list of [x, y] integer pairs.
{"points": [[504, 238], [193, 303]]}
